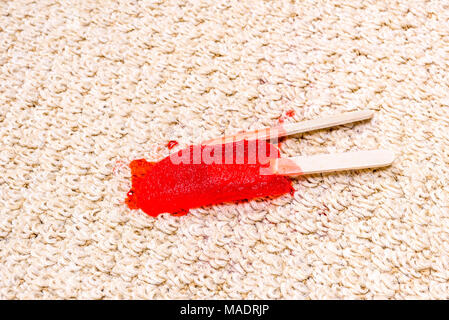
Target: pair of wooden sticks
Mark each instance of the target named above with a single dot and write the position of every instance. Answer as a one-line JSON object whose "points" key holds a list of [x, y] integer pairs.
{"points": [[317, 163]]}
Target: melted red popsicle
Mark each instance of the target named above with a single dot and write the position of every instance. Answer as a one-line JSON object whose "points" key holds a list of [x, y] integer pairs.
{"points": [[204, 175]]}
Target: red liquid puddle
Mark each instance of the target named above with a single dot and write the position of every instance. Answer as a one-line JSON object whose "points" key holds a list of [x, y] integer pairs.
{"points": [[171, 144], [234, 174]]}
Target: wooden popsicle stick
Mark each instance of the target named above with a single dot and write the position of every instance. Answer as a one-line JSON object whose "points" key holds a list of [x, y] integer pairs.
{"points": [[294, 128], [331, 162], [330, 121]]}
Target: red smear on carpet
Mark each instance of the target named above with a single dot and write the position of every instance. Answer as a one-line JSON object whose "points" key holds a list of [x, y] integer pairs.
{"points": [[171, 144], [222, 173]]}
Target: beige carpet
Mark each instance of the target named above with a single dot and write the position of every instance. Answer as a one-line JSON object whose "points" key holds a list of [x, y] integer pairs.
{"points": [[86, 86]]}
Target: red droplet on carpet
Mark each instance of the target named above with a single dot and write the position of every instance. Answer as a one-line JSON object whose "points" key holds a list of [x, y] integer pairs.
{"points": [[171, 144], [290, 113]]}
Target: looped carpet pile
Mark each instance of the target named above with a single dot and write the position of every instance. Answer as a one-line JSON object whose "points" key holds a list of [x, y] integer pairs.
{"points": [[87, 86]]}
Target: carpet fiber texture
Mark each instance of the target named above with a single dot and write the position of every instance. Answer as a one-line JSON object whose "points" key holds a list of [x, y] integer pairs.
{"points": [[87, 86]]}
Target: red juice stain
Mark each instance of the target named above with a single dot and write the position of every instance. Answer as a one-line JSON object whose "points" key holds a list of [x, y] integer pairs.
{"points": [[171, 144], [290, 113], [223, 173]]}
